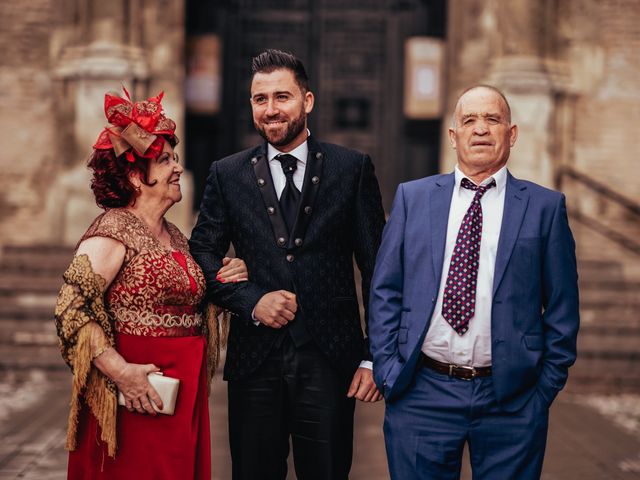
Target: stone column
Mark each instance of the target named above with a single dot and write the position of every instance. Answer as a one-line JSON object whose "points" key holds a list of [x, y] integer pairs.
{"points": [[507, 43], [117, 43], [519, 68]]}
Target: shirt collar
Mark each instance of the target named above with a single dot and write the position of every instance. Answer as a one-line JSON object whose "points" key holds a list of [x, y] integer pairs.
{"points": [[300, 152], [500, 177]]}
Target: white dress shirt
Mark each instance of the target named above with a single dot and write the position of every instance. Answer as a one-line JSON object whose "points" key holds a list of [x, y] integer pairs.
{"points": [[474, 347], [278, 176]]}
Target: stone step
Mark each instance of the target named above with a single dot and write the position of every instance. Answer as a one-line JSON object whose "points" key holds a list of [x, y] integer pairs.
{"points": [[600, 270], [613, 328], [21, 357], [621, 340], [622, 296], [28, 332], [603, 313], [616, 355], [598, 371], [16, 284], [609, 285], [606, 371], [39, 258], [26, 307], [602, 382], [44, 248], [593, 245]]}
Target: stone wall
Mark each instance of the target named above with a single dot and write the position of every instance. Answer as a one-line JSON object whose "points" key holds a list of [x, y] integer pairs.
{"points": [[570, 70], [602, 47], [29, 158], [59, 58]]}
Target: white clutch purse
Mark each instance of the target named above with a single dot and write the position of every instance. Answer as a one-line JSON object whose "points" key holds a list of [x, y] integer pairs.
{"points": [[166, 387]]}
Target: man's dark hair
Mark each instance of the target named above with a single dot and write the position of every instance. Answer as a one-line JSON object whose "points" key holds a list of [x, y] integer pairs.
{"points": [[271, 60]]}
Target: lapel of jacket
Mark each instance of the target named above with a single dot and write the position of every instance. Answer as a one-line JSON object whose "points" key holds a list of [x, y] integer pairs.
{"points": [[260, 164], [516, 199], [310, 186], [439, 210]]}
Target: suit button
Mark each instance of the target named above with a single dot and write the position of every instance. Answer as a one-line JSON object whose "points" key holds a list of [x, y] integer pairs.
{"points": [[271, 210], [315, 179], [298, 242], [282, 241], [308, 210], [254, 160], [261, 182], [290, 258]]}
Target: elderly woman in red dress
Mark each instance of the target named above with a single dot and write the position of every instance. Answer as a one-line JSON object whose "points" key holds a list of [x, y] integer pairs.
{"points": [[130, 305]]}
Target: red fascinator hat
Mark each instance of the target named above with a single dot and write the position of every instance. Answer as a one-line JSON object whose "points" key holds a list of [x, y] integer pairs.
{"points": [[135, 126]]}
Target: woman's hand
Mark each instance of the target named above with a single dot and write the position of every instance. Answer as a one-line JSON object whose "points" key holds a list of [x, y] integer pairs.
{"points": [[131, 379], [233, 270]]}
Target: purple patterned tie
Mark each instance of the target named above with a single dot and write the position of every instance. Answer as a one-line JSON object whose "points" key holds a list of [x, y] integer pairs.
{"points": [[459, 302]]}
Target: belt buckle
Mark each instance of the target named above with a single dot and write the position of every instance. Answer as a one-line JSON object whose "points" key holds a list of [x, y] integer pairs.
{"points": [[464, 367]]}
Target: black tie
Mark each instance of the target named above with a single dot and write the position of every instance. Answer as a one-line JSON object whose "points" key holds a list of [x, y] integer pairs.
{"points": [[289, 200], [290, 197]]}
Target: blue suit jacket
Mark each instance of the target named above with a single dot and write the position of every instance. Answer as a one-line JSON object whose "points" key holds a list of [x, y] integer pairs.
{"points": [[534, 318]]}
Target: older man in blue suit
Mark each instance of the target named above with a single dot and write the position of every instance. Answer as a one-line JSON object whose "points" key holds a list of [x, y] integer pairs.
{"points": [[474, 309]]}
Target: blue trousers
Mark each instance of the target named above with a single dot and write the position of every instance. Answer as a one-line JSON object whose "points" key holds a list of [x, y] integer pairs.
{"points": [[425, 431]]}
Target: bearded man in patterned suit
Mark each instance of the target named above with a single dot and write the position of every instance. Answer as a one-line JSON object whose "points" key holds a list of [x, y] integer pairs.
{"points": [[297, 211]]}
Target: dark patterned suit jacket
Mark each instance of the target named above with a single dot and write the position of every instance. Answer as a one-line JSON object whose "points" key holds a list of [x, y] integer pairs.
{"points": [[340, 216]]}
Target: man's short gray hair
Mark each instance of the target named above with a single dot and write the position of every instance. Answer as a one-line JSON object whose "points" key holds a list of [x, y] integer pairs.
{"points": [[488, 87]]}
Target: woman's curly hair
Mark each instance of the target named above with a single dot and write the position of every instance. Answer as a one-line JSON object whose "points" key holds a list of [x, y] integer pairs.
{"points": [[110, 183]]}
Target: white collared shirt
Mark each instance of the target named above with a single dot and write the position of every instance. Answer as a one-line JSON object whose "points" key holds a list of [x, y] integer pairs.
{"points": [[278, 176], [474, 347]]}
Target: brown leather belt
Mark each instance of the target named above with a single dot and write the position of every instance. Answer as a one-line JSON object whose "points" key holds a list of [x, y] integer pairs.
{"points": [[456, 371]]}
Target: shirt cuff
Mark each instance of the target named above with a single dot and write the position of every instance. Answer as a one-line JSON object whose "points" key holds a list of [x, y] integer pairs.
{"points": [[253, 317], [366, 364]]}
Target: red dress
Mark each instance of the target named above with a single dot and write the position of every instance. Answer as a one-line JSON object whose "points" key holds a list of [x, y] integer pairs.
{"points": [[153, 302]]}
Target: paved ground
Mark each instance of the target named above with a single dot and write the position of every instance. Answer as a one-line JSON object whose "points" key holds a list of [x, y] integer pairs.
{"points": [[583, 445]]}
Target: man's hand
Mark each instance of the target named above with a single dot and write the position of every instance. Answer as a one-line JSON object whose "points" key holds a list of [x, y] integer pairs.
{"points": [[363, 387], [276, 309]]}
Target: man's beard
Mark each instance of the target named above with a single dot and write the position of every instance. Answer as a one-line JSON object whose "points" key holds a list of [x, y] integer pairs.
{"points": [[294, 128]]}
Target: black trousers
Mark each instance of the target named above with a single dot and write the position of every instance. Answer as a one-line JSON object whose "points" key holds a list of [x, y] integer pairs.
{"points": [[294, 394]]}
